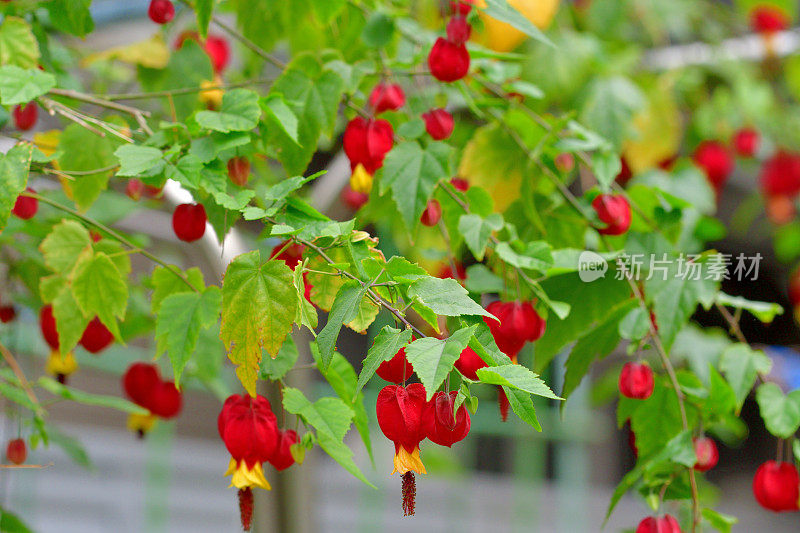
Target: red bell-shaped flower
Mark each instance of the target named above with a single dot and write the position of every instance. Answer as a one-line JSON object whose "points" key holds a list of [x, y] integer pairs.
{"points": [[746, 141], [438, 123], [47, 323], [776, 486], [768, 19], [716, 162], [367, 141], [387, 97], [397, 369], [166, 401], [25, 207], [780, 174], [707, 454], [519, 323], [448, 61], [663, 524], [458, 30], [291, 254], [189, 222], [400, 413], [614, 211], [468, 363], [283, 458], [96, 337], [139, 382], [636, 381], [441, 427]]}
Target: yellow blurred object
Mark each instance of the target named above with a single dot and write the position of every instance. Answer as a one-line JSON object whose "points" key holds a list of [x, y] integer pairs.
{"points": [[361, 180], [502, 37], [492, 160], [657, 127], [212, 97], [59, 365], [47, 141], [152, 53], [141, 424]]}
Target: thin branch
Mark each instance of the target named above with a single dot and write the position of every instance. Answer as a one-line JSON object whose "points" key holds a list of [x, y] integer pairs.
{"points": [[138, 114], [113, 234], [183, 90], [23, 381]]}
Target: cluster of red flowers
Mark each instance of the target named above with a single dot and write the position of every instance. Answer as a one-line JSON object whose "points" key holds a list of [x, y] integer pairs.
{"points": [[143, 385], [249, 429], [449, 58], [407, 418], [95, 338]]}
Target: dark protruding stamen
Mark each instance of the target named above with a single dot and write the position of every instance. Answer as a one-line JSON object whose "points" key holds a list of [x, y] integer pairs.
{"points": [[246, 507], [409, 493]]}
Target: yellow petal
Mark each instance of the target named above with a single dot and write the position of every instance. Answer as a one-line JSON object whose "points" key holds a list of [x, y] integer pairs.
{"points": [[361, 180], [244, 477], [58, 364], [405, 462], [141, 423]]}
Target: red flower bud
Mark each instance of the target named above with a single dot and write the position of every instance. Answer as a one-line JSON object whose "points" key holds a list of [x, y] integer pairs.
{"points": [[282, 458], [432, 213], [468, 364], [447, 272], [614, 211], [367, 141], [96, 337], [625, 173], [664, 524], [161, 11], [519, 323], [461, 7], [166, 400], [397, 369], [780, 174], [218, 51], [441, 426], [716, 162], [47, 323], [25, 116], [387, 97], [458, 30], [7, 313], [134, 189], [776, 486], [189, 222], [707, 454], [248, 428], [745, 142], [16, 451], [768, 19], [25, 207], [140, 381], [636, 381], [460, 184], [439, 124], [354, 199], [239, 170], [564, 162], [448, 61]]}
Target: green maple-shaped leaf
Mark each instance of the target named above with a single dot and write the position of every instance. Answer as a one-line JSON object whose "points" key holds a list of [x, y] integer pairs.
{"points": [[181, 316], [18, 46], [411, 173], [517, 377], [239, 112], [82, 151], [433, 358], [20, 86], [62, 246], [100, 289], [259, 305], [312, 95], [13, 177], [165, 282]]}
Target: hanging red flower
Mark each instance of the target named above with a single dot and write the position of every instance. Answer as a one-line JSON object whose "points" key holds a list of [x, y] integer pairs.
{"points": [[249, 430], [58, 364], [366, 143], [397, 369], [441, 427], [283, 458], [614, 211], [468, 364], [400, 413], [519, 323], [387, 97], [144, 387]]}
